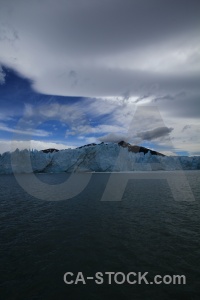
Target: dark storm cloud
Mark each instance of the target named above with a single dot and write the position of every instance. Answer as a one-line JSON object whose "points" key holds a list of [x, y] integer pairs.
{"points": [[155, 133], [184, 105], [73, 78], [186, 127], [112, 26], [166, 97], [115, 48], [2, 76]]}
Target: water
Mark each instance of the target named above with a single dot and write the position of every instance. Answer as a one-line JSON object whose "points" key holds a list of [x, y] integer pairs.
{"points": [[145, 232]]}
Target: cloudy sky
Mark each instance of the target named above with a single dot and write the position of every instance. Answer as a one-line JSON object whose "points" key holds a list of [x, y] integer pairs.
{"points": [[79, 71]]}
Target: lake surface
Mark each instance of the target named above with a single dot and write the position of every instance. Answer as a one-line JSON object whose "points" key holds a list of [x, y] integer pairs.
{"points": [[148, 231]]}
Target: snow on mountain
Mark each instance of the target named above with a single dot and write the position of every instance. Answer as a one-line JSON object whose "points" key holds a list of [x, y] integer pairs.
{"points": [[94, 158]]}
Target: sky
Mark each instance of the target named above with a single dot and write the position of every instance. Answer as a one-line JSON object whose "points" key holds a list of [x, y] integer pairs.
{"points": [[74, 72]]}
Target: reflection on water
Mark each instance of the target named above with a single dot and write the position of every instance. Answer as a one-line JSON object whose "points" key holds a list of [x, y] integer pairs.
{"points": [[145, 232]]}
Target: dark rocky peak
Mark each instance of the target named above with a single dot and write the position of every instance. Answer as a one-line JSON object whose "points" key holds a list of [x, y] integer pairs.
{"points": [[124, 144], [50, 150], [136, 149], [88, 145]]}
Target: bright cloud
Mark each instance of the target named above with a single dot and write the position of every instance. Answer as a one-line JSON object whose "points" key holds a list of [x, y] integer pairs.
{"points": [[29, 132]]}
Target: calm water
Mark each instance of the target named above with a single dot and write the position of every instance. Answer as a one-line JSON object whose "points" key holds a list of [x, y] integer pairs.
{"points": [[145, 232]]}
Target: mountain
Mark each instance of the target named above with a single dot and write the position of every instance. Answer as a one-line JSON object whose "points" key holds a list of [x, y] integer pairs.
{"points": [[136, 149], [102, 157], [50, 150], [132, 148]]}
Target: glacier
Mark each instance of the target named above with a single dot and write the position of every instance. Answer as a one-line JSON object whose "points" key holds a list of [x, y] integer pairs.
{"points": [[93, 158]]}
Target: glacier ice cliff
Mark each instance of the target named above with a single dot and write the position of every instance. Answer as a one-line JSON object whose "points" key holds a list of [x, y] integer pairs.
{"points": [[93, 158]]}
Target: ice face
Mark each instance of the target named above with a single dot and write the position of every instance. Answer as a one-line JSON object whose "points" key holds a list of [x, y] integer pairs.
{"points": [[94, 158]]}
